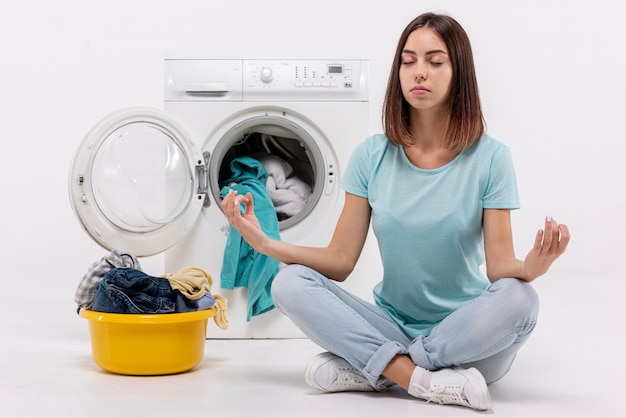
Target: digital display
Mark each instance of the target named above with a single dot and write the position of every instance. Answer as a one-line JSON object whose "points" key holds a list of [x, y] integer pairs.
{"points": [[335, 69]]}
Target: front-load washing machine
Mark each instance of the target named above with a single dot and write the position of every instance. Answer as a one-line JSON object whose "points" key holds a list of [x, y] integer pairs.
{"points": [[147, 181]]}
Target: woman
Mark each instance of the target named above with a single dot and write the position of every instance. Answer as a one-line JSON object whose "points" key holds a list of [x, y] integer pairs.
{"points": [[439, 192]]}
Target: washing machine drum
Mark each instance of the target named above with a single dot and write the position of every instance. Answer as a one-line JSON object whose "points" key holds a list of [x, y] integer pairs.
{"points": [[134, 181]]}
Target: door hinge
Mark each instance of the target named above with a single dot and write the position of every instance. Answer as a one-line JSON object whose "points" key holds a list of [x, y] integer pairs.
{"points": [[202, 171]]}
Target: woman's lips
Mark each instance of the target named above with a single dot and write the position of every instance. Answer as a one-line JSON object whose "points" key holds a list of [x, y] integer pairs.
{"points": [[420, 90]]}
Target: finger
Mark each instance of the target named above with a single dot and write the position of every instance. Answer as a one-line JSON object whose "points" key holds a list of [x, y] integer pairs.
{"points": [[560, 237], [249, 203], [548, 234], [241, 199], [233, 205], [236, 206], [227, 200], [556, 239], [538, 240], [565, 237]]}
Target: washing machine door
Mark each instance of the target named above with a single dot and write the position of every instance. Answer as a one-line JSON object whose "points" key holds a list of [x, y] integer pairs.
{"points": [[137, 181]]}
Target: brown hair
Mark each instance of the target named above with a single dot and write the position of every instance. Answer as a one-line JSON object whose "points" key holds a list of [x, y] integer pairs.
{"points": [[464, 124]]}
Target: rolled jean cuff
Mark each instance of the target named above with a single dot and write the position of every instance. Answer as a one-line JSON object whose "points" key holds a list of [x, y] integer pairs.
{"points": [[379, 361], [419, 355]]}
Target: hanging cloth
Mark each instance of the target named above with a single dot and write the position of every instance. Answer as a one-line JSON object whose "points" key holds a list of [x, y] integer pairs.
{"points": [[242, 265]]}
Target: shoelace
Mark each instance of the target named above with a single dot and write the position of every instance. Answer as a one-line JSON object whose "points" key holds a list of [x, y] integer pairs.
{"points": [[351, 377], [443, 395]]}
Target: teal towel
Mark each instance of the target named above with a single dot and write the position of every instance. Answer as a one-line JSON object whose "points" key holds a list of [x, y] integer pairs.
{"points": [[242, 265]]}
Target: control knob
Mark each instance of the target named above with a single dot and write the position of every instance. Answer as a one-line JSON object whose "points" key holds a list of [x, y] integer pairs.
{"points": [[266, 74]]}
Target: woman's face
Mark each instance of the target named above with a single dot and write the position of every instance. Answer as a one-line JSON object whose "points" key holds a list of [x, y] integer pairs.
{"points": [[425, 70]]}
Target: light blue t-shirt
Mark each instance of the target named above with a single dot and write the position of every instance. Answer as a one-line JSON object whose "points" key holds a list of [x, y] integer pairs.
{"points": [[428, 224]]}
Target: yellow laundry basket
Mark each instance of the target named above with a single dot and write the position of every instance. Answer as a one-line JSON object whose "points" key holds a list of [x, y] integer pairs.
{"points": [[138, 344]]}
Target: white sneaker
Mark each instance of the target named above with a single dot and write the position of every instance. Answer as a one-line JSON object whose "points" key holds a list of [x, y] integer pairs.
{"points": [[456, 386], [330, 373]]}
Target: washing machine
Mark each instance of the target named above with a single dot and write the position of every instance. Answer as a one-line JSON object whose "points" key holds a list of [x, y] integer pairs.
{"points": [[147, 181]]}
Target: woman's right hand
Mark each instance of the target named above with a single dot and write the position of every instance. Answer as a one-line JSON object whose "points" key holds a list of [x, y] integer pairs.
{"points": [[334, 261], [247, 223]]}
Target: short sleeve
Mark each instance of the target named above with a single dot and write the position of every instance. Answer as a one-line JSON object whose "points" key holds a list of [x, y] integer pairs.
{"points": [[356, 177], [501, 191]]}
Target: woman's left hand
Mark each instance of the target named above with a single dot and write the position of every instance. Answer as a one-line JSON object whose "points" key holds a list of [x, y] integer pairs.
{"points": [[550, 243]]}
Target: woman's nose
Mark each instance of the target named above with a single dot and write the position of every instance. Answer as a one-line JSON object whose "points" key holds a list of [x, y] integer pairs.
{"points": [[420, 71]]}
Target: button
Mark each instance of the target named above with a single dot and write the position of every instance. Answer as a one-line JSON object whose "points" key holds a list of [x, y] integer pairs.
{"points": [[330, 184]]}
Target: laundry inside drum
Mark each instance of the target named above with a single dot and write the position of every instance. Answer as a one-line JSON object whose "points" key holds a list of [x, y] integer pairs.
{"points": [[291, 174]]}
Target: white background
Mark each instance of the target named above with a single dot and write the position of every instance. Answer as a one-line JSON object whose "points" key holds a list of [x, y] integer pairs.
{"points": [[552, 78]]}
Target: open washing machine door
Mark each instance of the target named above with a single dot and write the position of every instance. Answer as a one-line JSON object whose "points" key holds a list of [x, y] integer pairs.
{"points": [[138, 181]]}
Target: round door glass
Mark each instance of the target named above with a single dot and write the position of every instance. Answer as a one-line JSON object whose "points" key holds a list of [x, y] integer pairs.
{"points": [[140, 178]]}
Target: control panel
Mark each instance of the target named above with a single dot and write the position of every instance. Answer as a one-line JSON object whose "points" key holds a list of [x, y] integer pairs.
{"points": [[267, 79], [299, 74], [303, 78]]}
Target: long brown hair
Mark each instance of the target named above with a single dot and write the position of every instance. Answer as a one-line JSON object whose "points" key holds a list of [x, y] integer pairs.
{"points": [[465, 123]]}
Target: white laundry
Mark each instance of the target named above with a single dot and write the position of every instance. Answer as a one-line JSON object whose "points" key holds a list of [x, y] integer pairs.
{"points": [[288, 192]]}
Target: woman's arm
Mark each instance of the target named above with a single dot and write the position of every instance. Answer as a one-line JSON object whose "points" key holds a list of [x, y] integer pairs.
{"points": [[335, 261], [550, 243]]}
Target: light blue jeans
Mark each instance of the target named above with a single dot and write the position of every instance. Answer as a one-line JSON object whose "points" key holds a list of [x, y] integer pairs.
{"points": [[485, 333]]}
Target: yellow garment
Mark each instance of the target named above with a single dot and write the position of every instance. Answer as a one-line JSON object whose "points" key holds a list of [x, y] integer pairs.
{"points": [[194, 283]]}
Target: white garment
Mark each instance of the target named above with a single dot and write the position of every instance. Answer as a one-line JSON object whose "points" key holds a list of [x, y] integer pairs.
{"points": [[288, 192]]}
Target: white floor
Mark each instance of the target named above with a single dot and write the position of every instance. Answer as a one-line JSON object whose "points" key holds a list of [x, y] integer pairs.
{"points": [[574, 366]]}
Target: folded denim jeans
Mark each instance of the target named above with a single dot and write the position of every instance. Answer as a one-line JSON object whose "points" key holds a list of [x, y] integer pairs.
{"points": [[128, 290]]}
